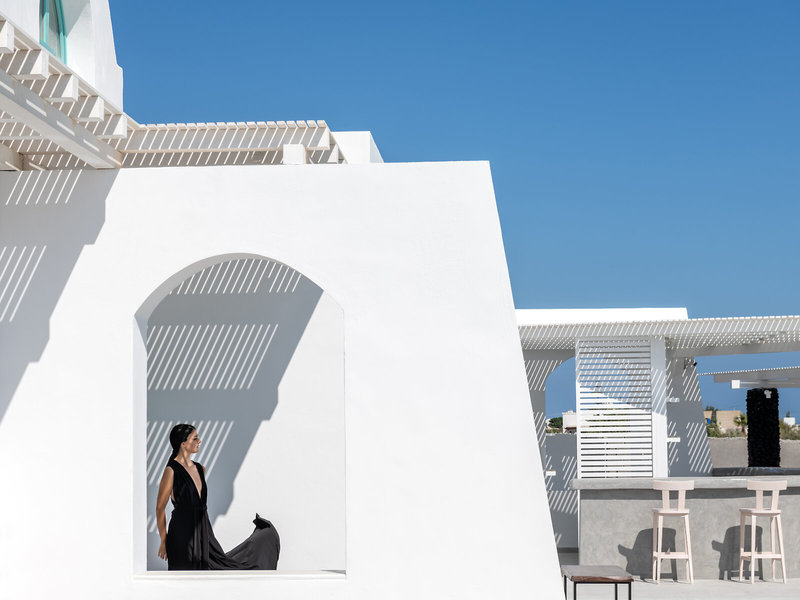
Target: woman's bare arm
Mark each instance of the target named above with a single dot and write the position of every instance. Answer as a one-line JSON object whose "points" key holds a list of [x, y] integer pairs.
{"points": [[164, 491]]}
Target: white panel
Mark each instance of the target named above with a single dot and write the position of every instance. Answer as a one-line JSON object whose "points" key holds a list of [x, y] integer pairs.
{"points": [[659, 393], [614, 402]]}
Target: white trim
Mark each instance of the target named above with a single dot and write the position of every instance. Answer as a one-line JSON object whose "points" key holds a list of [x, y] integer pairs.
{"points": [[753, 373], [231, 575]]}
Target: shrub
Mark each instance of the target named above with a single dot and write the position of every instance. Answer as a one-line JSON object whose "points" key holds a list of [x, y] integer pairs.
{"points": [[789, 433]]}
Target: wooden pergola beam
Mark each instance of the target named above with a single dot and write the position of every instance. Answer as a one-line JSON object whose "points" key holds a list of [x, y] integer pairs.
{"points": [[225, 137], [31, 110]]}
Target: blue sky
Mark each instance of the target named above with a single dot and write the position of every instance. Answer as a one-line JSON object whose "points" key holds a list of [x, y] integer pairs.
{"points": [[643, 153]]}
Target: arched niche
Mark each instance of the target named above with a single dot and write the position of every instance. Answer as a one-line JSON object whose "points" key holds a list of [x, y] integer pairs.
{"points": [[252, 352]]}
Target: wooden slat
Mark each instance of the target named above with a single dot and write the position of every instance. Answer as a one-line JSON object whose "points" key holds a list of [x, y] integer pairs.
{"points": [[26, 64], [6, 37]]}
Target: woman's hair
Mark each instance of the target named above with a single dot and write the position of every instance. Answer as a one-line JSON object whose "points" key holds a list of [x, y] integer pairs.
{"points": [[179, 434]]}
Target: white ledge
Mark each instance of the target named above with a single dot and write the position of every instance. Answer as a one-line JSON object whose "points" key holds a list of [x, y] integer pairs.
{"points": [[700, 483], [229, 575]]}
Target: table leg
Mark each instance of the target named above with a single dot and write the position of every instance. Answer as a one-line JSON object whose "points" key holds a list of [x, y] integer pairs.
{"points": [[565, 587], [574, 590], [630, 591], [616, 597]]}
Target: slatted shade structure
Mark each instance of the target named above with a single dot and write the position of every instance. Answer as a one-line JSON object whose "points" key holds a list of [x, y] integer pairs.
{"points": [[628, 368], [51, 118], [210, 144], [780, 377], [684, 337], [46, 108]]}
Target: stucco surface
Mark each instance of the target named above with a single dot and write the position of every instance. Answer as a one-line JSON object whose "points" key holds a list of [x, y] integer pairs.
{"points": [[444, 488]]}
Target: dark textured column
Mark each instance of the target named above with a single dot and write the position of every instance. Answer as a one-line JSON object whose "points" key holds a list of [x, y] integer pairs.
{"points": [[763, 428]]}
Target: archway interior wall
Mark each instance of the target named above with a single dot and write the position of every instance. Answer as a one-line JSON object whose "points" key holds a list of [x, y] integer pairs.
{"points": [[251, 352]]}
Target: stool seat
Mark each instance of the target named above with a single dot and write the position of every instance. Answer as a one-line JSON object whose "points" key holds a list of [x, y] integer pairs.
{"points": [[772, 513], [760, 512]]}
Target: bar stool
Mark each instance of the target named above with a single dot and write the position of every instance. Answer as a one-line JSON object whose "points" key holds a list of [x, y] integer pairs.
{"points": [[775, 529], [666, 510]]}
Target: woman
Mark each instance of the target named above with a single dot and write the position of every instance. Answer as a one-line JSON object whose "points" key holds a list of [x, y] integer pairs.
{"points": [[189, 543]]}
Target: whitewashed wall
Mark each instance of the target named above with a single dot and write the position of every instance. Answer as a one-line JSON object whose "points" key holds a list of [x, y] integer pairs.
{"points": [[90, 40], [562, 463], [444, 489], [559, 458]]}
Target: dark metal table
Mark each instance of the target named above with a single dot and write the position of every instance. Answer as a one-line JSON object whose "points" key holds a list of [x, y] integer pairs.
{"points": [[596, 574]]}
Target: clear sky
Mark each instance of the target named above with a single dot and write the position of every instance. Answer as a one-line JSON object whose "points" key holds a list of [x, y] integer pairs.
{"points": [[643, 153]]}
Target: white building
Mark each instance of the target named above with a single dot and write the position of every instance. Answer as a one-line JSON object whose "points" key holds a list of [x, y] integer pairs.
{"points": [[316, 312], [639, 411]]}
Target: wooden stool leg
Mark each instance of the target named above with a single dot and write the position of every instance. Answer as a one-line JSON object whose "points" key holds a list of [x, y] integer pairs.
{"points": [[752, 548], [655, 543], [688, 548], [772, 545], [780, 547], [742, 521], [660, 546]]}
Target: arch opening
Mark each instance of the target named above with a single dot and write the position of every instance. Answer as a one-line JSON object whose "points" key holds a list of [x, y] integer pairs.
{"points": [[251, 352]]}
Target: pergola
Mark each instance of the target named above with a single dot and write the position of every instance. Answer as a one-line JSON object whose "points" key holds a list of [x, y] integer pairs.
{"points": [[781, 377], [631, 364], [682, 337], [52, 118]]}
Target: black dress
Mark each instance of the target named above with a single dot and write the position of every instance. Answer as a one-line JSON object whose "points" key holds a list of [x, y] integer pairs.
{"points": [[191, 544]]}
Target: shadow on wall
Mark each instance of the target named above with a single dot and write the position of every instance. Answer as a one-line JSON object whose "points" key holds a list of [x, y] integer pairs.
{"points": [[728, 550], [218, 346], [640, 557], [46, 219], [690, 456], [562, 462]]}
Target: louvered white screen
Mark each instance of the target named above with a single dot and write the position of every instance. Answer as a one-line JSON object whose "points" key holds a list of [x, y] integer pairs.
{"points": [[614, 408]]}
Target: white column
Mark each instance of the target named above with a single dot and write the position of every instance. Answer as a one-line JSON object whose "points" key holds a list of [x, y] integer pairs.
{"points": [[658, 379]]}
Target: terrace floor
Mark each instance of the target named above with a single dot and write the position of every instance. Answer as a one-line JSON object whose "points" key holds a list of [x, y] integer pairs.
{"points": [[701, 589]]}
